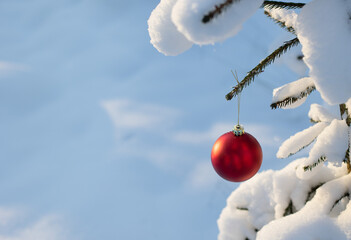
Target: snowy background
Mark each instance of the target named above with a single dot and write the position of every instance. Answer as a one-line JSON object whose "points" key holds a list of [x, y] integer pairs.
{"points": [[103, 137]]}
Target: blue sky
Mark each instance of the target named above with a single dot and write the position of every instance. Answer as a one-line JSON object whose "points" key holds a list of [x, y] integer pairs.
{"points": [[102, 137]]}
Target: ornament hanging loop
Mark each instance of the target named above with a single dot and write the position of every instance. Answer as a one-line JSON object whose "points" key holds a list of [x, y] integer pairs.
{"points": [[238, 129]]}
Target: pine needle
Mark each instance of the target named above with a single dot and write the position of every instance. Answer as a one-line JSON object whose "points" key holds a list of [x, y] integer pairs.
{"points": [[313, 165], [280, 23], [278, 4], [218, 9], [260, 67], [293, 99]]}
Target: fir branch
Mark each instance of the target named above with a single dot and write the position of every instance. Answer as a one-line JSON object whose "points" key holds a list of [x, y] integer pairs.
{"points": [[290, 209], [242, 208], [218, 9], [313, 165], [337, 201], [312, 192], [302, 148], [347, 159], [260, 67], [314, 121], [280, 23], [278, 4], [344, 111], [347, 155], [292, 99], [300, 57]]}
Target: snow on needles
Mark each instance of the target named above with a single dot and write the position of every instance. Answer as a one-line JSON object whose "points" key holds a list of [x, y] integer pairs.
{"points": [[318, 113], [288, 17], [293, 90], [187, 16], [163, 33], [324, 30], [332, 143], [174, 25], [257, 209], [300, 140]]}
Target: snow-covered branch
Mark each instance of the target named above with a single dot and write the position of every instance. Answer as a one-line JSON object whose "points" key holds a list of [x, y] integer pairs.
{"points": [[284, 18], [292, 93], [279, 4]]}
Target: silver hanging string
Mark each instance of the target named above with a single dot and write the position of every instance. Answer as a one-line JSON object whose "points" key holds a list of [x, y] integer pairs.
{"points": [[238, 130], [237, 80]]}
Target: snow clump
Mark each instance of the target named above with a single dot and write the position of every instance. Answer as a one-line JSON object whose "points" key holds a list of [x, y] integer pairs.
{"points": [[163, 33], [324, 30], [279, 205], [187, 16], [174, 25]]}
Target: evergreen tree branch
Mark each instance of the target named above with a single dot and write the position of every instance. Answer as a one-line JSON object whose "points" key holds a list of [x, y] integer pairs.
{"points": [[344, 111], [313, 165], [280, 23], [292, 99], [302, 148], [337, 201], [218, 9], [290, 209], [347, 158], [312, 192], [250, 76], [314, 121], [279, 4], [243, 208]]}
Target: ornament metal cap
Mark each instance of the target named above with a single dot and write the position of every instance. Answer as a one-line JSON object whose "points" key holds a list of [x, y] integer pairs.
{"points": [[238, 130]]}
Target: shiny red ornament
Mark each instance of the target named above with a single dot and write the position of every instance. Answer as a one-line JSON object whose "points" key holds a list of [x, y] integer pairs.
{"points": [[236, 158]]}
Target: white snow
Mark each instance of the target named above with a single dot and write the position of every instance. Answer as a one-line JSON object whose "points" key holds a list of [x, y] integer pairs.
{"points": [[331, 143], [348, 105], [301, 139], [163, 33], [324, 30], [313, 221], [237, 223], [319, 113], [257, 208], [267, 195], [187, 16], [288, 17], [293, 89]]}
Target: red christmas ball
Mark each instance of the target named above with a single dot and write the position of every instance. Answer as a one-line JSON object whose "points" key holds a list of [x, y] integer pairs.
{"points": [[236, 158]]}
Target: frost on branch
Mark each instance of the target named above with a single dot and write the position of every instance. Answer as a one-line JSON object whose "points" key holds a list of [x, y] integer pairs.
{"points": [[293, 94], [300, 140], [271, 205], [324, 30], [163, 33]]}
